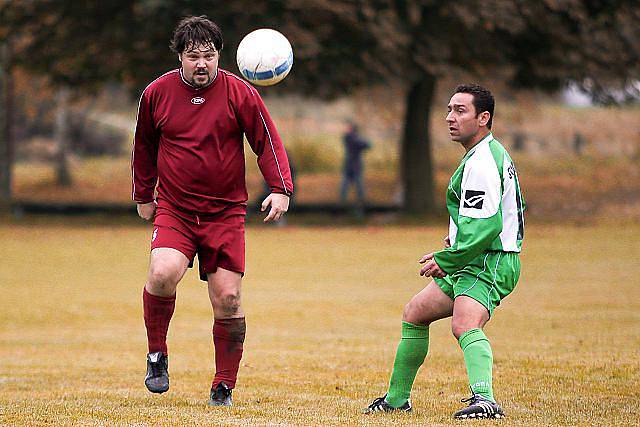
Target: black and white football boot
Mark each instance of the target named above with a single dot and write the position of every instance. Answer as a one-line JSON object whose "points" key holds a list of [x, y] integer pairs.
{"points": [[381, 405], [479, 407], [221, 395], [157, 379]]}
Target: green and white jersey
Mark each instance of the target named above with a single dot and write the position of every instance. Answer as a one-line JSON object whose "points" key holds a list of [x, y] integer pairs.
{"points": [[485, 205]]}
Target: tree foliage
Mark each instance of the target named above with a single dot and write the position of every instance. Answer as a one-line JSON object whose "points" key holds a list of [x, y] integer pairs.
{"points": [[527, 44], [340, 45]]}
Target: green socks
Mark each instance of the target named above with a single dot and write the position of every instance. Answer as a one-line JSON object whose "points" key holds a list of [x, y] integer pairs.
{"points": [[479, 360], [413, 348], [410, 355]]}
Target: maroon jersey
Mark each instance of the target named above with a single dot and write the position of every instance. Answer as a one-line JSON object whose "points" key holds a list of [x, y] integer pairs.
{"points": [[190, 141]]}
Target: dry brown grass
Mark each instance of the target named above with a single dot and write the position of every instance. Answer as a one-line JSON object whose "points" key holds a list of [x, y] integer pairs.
{"points": [[323, 309]]}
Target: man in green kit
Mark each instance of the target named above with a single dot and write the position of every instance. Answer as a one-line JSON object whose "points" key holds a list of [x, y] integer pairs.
{"points": [[479, 265]]}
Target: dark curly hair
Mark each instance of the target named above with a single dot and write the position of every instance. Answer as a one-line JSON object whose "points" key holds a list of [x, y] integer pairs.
{"points": [[482, 99], [195, 30]]}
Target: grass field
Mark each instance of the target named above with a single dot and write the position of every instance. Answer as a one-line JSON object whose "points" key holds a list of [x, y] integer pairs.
{"points": [[323, 310]]}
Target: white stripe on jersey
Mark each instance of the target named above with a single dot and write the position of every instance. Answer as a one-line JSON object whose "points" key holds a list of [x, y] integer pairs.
{"points": [[251, 88], [484, 267], [253, 92], [274, 152], [453, 232], [509, 234]]}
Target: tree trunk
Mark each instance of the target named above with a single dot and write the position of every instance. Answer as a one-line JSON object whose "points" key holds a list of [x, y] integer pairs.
{"points": [[416, 162], [6, 140], [63, 176]]}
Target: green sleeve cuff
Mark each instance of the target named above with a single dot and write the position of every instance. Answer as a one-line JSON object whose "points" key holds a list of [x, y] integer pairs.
{"points": [[440, 258]]}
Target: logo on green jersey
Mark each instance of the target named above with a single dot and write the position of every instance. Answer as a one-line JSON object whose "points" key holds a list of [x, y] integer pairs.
{"points": [[473, 199]]}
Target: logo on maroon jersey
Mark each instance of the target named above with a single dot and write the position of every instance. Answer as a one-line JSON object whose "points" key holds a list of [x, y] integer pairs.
{"points": [[197, 100]]}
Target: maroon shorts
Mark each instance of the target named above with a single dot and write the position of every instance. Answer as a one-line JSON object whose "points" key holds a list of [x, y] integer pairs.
{"points": [[218, 239]]}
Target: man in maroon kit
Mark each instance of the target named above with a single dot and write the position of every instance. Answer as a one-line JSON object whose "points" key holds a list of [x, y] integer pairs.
{"points": [[189, 141]]}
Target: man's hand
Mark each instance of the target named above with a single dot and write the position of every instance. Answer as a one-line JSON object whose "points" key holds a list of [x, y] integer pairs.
{"points": [[431, 268], [447, 242], [147, 211], [279, 205]]}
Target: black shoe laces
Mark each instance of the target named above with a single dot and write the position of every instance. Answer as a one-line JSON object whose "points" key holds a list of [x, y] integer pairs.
{"points": [[473, 399]]}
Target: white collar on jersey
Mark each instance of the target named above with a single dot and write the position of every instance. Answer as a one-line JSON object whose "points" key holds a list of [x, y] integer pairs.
{"points": [[487, 138]]}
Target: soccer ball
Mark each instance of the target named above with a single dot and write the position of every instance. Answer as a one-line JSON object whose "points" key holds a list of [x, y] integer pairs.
{"points": [[264, 57]]}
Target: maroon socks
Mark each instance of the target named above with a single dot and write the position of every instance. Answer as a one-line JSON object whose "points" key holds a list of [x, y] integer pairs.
{"points": [[228, 336], [157, 315], [228, 339]]}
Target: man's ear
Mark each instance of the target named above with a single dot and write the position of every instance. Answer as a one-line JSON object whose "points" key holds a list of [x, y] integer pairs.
{"points": [[179, 57], [484, 118]]}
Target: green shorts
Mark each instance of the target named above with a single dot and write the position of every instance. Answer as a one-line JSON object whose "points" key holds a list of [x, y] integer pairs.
{"points": [[488, 279]]}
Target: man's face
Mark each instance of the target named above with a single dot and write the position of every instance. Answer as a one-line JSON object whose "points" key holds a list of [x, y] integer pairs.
{"points": [[199, 64], [461, 118]]}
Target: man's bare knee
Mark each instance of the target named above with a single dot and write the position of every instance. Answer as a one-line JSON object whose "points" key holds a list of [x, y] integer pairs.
{"points": [[163, 279], [411, 312], [458, 328], [419, 313], [166, 268], [224, 293], [462, 324], [427, 306], [228, 303], [467, 314]]}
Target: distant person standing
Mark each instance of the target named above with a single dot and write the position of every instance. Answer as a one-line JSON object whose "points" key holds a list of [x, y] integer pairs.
{"points": [[189, 141], [354, 146]]}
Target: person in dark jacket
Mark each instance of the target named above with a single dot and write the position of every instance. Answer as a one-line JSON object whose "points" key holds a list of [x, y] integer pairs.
{"points": [[354, 146]]}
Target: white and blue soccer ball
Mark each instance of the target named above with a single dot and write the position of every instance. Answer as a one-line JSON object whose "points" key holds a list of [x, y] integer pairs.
{"points": [[264, 57]]}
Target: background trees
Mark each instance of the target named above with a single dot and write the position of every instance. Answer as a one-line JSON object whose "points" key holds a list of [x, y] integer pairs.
{"points": [[342, 45]]}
